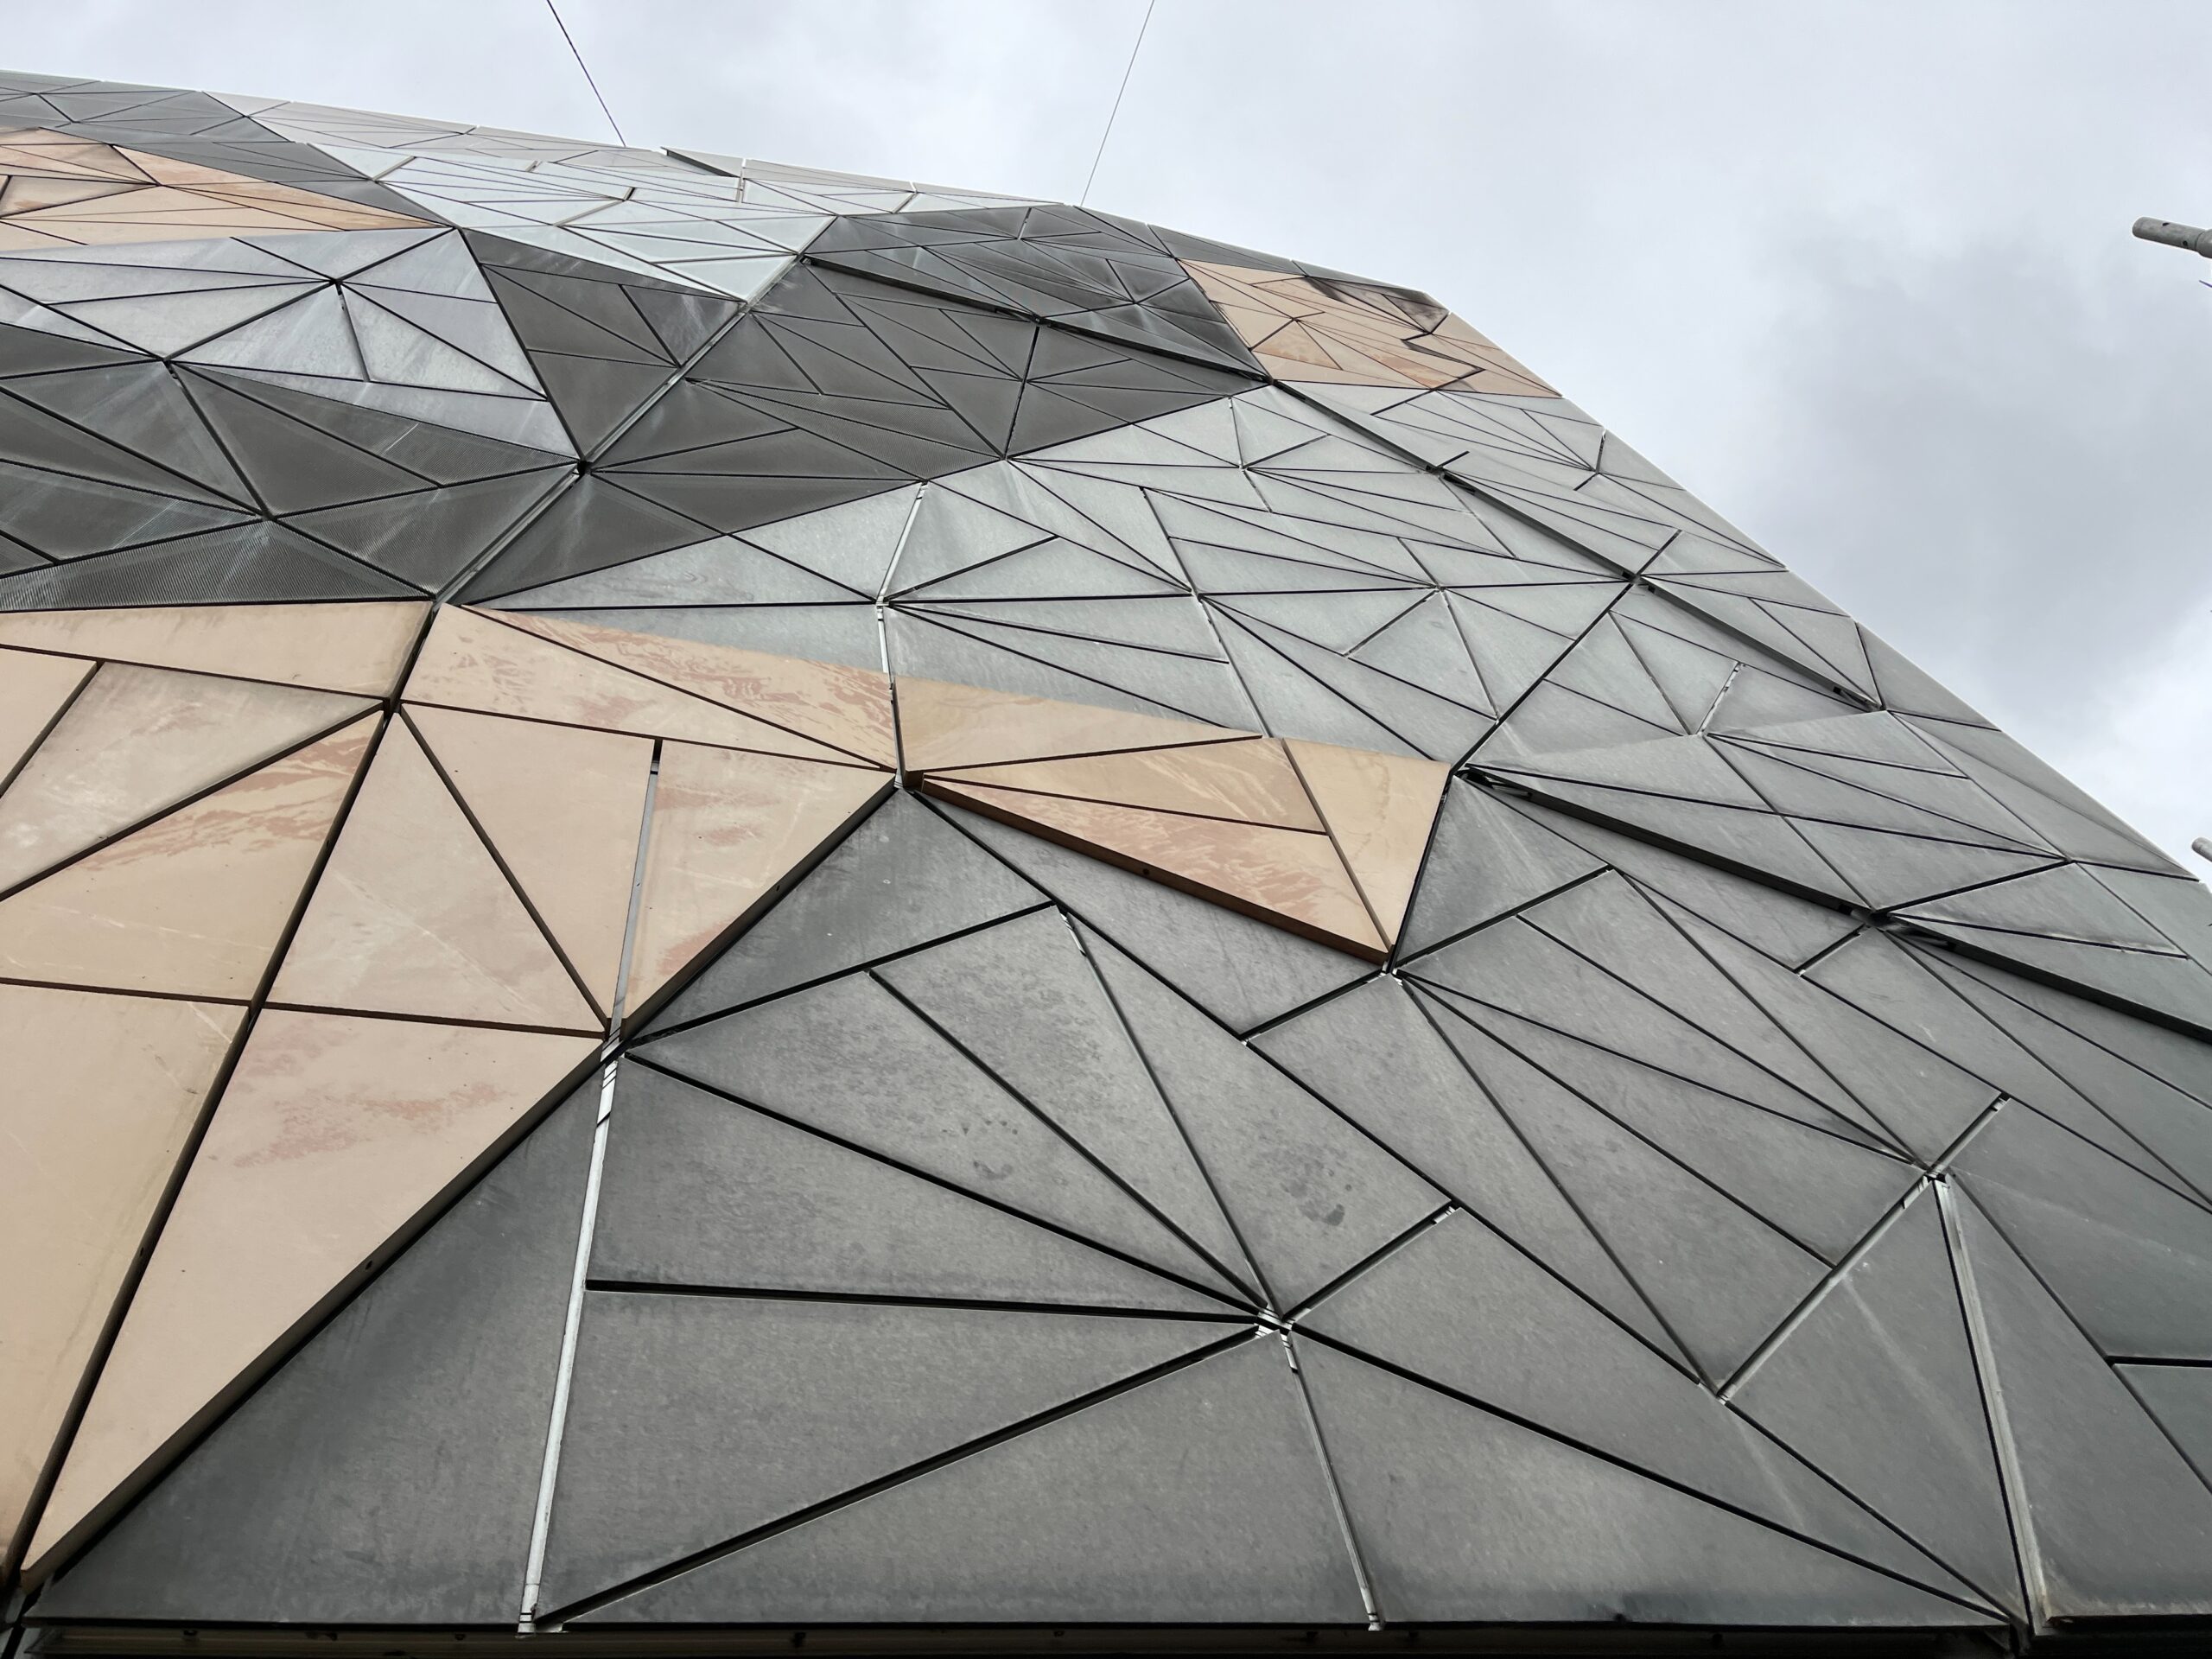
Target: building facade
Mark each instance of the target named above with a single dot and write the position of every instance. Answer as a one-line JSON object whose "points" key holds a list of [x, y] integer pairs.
{"points": [[742, 907]]}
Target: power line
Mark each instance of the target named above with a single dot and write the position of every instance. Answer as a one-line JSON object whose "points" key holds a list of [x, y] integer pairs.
{"points": [[1136, 47], [594, 84]]}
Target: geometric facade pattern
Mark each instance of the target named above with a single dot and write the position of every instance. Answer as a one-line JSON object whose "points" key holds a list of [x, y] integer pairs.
{"points": [[741, 905]]}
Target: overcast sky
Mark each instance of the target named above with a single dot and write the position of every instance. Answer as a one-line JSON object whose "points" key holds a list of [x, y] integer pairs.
{"points": [[1859, 274]]}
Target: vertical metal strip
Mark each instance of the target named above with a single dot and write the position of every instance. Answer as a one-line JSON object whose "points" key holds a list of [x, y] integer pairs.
{"points": [[2027, 1558], [610, 1052], [1329, 1477]]}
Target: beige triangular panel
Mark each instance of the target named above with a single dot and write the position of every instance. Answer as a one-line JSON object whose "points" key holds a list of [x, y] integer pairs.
{"points": [[943, 725], [359, 647], [848, 709], [1251, 782], [36, 152], [1292, 877], [413, 916], [193, 903], [32, 691], [564, 807], [1379, 808], [103, 1092], [1358, 333], [336, 1136], [470, 662], [64, 192], [135, 742], [726, 830]]}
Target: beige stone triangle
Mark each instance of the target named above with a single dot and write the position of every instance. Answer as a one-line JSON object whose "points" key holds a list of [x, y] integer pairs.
{"points": [[1290, 877], [847, 708], [412, 915], [138, 741], [470, 662], [1379, 809], [943, 725], [564, 806], [337, 1138], [193, 903], [102, 1095], [1250, 782], [728, 830], [339, 647], [33, 689]]}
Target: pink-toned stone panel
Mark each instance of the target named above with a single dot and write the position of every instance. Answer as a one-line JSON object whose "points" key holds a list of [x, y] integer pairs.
{"points": [[1249, 782], [847, 708], [358, 648], [470, 661], [1379, 809], [103, 1093], [564, 806], [337, 1135], [138, 741], [727, 830], [193, 903], [1292, 877], [412, 915]]}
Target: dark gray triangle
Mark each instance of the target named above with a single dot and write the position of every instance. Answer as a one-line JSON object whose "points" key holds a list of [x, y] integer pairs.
{"points": [[588, 526], [594, 395], [31, 351], [430, 538], [849, 1059], [440, 454], [1195, 1499], [1908, 992], [1243, 972], [2115, 1522], [1748, 837], [1784, 926], [1374, 1055], [1891, 869], [2129, 1071], [1022, 999], [1919, 1100], [141, 407], [1523, 971], [2130, 1259], [1611, 923], [900, 880], [1462, 1516], [62, 515], [1826, 1191], [259, 562], [700, 1191], [1484, 859], [1721, 1278], [2180, 1397], [1877, 1385], [2063, 902], [1460, 1308], [693, 1419], [1310, 1195]]}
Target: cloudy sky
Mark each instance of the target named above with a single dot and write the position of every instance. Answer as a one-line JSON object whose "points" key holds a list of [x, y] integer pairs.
{"points": [[1860, 275]]}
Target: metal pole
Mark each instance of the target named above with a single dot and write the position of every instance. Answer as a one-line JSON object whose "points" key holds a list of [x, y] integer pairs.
{"points": [[2175, 236]]}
